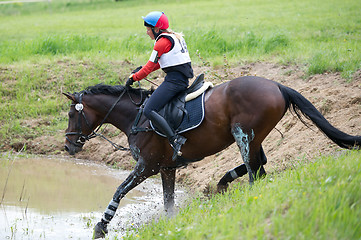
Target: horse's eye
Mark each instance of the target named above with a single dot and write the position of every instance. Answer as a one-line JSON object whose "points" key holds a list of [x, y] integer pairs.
{"points": [[71, 114]]}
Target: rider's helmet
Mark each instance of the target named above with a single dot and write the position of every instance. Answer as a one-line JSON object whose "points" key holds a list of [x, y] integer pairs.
{"points": [[156, 19]]}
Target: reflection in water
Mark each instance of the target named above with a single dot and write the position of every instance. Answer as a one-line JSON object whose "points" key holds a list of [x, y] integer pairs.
{"points": [[58, 185], [61, 199]]}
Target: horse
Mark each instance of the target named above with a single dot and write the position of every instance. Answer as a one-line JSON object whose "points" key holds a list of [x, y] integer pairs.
{"points": [[243, 110]]}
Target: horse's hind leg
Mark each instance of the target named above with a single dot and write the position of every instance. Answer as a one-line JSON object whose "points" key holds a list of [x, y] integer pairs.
{"points": [[263, 157], [252, 155], [240, 171], [230, 176], [261, 160]]}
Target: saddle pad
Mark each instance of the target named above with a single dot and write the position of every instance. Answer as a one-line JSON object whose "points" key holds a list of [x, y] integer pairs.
{"points": [[198, 92], [192, 118]]}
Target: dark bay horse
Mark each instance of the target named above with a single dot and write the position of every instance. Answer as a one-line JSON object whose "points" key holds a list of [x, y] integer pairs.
{"points": [[243, 110]]}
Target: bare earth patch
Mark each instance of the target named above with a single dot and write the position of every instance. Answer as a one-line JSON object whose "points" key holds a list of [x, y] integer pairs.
{"points": [[291, 141]]}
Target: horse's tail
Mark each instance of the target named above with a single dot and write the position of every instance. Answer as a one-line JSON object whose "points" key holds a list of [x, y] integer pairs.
{"points": [[300, 104]]}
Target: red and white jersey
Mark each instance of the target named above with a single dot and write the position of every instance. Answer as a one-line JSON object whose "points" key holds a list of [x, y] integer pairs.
{"points": [[177, 55], [170, 54]]}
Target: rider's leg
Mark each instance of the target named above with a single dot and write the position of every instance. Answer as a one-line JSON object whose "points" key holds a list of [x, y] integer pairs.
{"points": [[173, 84], [176, 141]]}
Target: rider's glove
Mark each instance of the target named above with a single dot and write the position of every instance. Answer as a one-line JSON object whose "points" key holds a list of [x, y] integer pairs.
{"points": [[130, 81]]}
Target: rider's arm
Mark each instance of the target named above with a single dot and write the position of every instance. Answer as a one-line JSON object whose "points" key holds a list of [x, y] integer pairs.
{"points": [[162, 46], [146, 69]]}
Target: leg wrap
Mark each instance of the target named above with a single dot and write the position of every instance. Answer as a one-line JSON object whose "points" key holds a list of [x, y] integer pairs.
{"points": [[110, 211], [233, 174]]}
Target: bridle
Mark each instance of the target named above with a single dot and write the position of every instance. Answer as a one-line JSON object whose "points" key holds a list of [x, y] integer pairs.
{"points": [[82, 138]]}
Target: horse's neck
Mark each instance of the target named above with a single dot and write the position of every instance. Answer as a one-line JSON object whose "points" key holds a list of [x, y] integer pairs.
{"points": [[123, 114]]}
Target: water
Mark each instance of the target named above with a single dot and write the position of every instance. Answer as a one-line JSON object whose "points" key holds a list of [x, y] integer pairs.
{"points": [[52, 198]]}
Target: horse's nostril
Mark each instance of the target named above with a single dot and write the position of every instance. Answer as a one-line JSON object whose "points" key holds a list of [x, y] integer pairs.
{"points": [[66, 148]]}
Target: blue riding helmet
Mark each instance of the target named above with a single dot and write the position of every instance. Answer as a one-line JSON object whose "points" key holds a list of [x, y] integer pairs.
{"points": [[156, 19]]}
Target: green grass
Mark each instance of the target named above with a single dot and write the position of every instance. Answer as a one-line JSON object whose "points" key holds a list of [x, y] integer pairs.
{"points": [[283, 31], [320, 200], [50, 47]]}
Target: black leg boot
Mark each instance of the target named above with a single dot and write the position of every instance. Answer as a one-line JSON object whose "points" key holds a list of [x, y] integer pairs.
{"points": [[176, 141]]}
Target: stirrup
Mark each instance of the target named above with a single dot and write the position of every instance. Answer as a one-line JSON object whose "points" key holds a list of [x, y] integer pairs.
{"points": [[176, 145]]}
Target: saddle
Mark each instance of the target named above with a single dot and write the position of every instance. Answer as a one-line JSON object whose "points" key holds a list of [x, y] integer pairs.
{"points": [[174, 111], [185, 111]]}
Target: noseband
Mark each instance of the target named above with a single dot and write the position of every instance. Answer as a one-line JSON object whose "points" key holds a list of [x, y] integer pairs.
{"points": [[82, 138]]}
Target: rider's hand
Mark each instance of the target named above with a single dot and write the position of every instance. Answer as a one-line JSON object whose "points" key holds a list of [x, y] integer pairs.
{"points": [[137, 69], [130, 81]]}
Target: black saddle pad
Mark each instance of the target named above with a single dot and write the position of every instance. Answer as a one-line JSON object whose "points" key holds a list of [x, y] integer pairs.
{"points": [[192, 117]]}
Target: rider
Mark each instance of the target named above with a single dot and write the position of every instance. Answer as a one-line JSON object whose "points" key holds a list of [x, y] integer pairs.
{"points": [[169, 53]]}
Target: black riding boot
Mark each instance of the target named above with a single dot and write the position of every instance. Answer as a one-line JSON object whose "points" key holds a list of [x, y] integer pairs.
{"points": [[176, 141]]}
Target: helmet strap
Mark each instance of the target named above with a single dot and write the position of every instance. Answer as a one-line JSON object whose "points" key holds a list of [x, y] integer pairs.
{"points": [[156, 35]]}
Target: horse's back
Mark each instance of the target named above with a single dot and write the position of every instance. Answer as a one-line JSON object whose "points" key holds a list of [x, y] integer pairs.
{"points": [[253, 85], [251, 90]]}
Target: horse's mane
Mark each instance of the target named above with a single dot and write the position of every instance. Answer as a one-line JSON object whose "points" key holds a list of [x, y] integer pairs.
{"points": [[115, 90]]}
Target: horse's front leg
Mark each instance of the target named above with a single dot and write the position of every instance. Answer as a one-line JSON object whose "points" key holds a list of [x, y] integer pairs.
{"points": [[168, 182], [138, 175]]}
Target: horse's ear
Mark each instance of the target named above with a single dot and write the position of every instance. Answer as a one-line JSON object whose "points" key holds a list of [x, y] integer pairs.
{"points": [[70, 96]]}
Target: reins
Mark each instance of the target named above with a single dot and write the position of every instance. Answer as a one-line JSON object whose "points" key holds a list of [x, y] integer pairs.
{"points": [[96, 134]]}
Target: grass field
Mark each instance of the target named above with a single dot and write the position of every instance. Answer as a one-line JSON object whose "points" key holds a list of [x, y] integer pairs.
{"points": [[323, 35], [319, 200]]}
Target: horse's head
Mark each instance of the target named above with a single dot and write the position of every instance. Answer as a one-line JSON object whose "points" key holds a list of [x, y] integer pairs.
{"points": [[85, 116], [81, 124]]}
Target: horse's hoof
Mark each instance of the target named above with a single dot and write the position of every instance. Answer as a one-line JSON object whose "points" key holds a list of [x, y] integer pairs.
{"points": [[100, 230], [222, 188]]}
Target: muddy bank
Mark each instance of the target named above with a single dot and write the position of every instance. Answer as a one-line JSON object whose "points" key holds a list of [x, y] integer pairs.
{"points": [[337, 99]]}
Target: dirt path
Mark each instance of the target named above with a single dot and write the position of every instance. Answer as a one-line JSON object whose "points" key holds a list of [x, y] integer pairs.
{"points": [[291, 141]]}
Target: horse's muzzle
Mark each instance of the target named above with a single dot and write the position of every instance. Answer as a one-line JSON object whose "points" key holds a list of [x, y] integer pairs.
{"points": [[72, 149]]}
